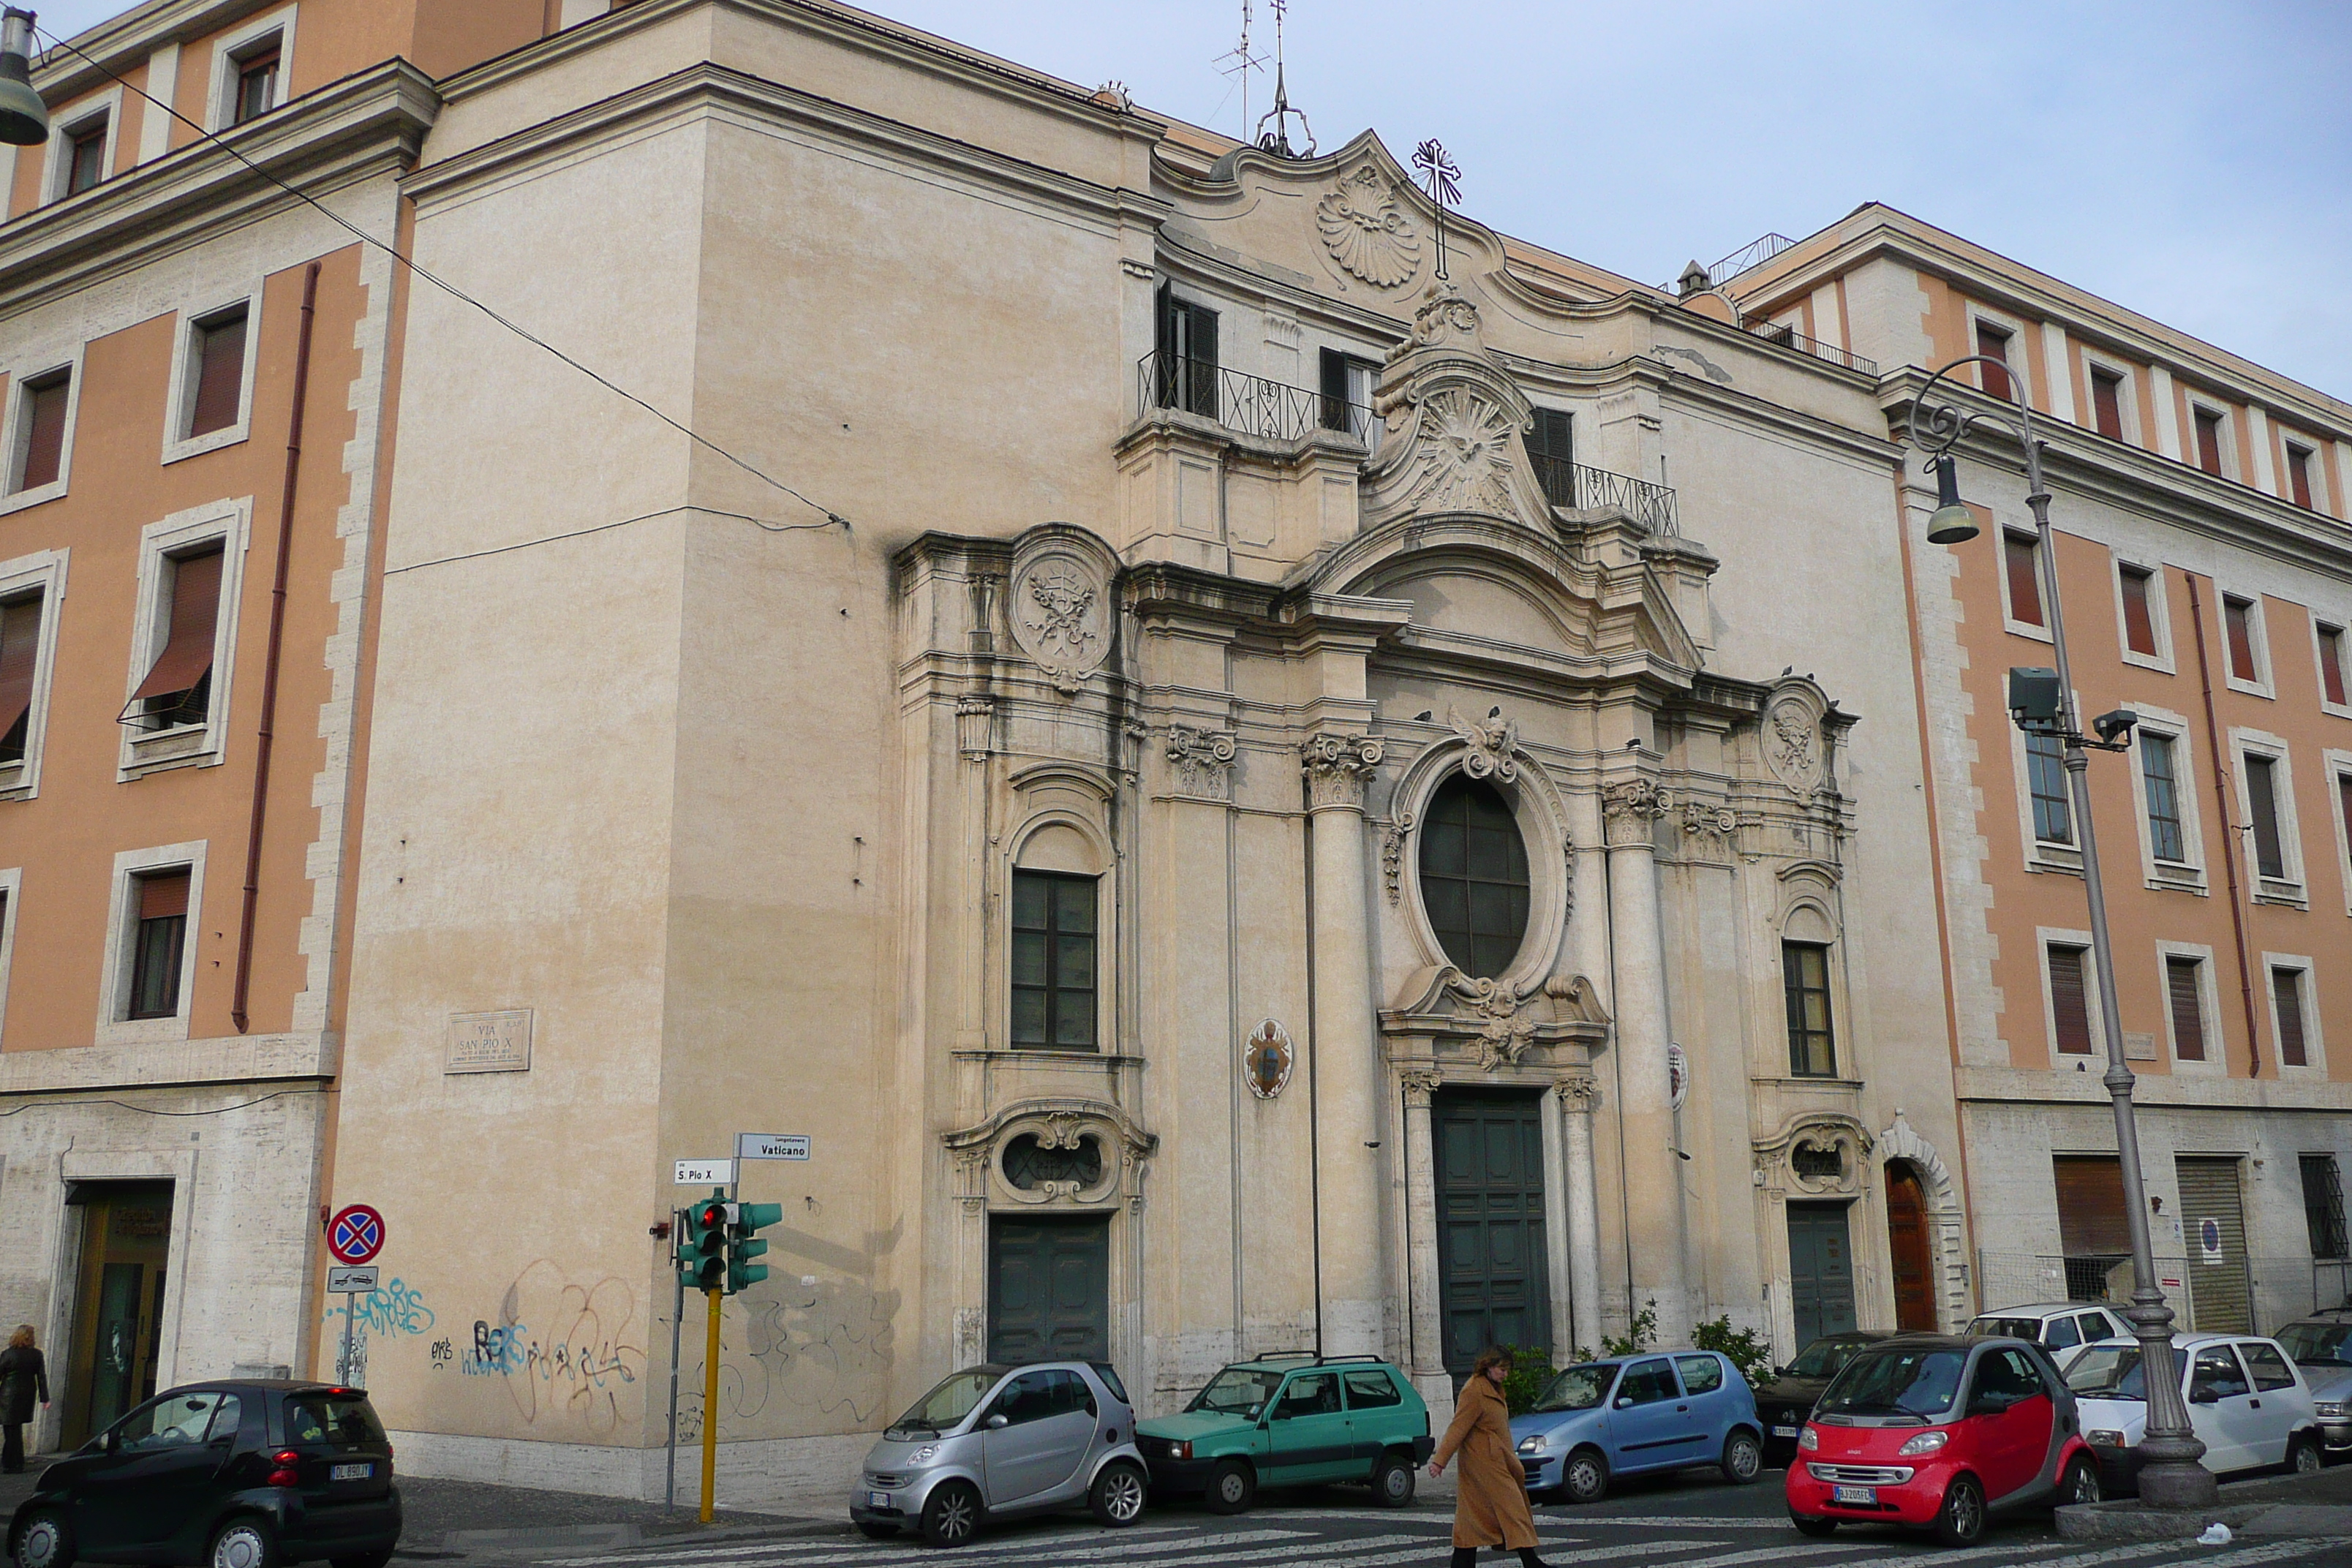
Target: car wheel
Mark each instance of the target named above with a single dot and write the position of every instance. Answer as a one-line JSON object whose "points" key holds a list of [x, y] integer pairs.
{"points": [[1962, 1521], [1392, 1481], [1232, 1487], [1118, 1494], [873, 1532], [2304, 1458], [1743, 1458], [950, 1514], [45, 1540], [1808, 1525], [1585, 1476], [244, 1541], [2082, 1482]]}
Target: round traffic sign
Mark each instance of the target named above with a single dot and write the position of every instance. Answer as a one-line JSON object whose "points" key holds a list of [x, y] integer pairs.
{"points": [[356, 1233]]}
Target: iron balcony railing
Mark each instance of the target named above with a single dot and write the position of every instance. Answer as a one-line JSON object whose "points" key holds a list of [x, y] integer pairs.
{"points": [[1252, 404], [1575, 486], [1796, 340]]}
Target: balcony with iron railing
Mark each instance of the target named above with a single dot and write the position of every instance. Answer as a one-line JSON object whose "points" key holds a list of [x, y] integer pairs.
{"points": [[1789, 337], [1579, 487]]}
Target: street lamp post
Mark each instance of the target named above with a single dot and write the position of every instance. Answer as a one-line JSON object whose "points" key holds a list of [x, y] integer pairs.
{"points": [[2170, 1476]]}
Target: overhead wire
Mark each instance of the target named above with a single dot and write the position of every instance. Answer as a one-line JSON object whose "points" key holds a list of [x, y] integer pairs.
{"points": [[452, 289]]}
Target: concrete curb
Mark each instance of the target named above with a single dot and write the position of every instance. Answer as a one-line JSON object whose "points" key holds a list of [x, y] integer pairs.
{"points": [[528, 1542], [2130, 1520]]}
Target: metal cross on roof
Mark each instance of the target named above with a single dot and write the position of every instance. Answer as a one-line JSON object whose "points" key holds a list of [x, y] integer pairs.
{"points": [[1438, 177]]}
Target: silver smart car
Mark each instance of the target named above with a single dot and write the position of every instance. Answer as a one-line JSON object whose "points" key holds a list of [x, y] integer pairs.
{"points": [[993, 1441]]}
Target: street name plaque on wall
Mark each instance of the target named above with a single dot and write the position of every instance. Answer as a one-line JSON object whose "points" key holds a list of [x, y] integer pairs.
{"points": [[488, 1042]]}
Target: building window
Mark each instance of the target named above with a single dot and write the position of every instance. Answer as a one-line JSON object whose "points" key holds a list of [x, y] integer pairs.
{"points": [[2107, 403], [2185, 991], [2045, 783], [1348, 384], [216, 372], [1551, 448], [1053, 960], [1188, 355], [256, 80], [177, 689], [2261, 805], [2298, 475], [2070, 998], [2287, 1000], [2344, 804], [2331, 663], [2159, 768], [2209, 441], [20, 652], [1473, 876], [2238, 620], [2323, 1205], [1805, 973], [40, 455], [2021, 554], [86, 154], [1993, 343], [2139, 621], [161, 905]]}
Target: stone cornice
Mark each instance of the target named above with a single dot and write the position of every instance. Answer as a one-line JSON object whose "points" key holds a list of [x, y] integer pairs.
{"points": [[2159, 1091], [122, 42], [228, 1059]]}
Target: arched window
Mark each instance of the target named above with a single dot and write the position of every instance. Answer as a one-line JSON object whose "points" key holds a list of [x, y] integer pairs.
{"points": [[1473, 876]]}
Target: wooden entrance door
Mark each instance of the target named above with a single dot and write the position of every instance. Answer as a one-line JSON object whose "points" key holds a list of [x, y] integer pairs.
{"points": [[1491, 1272], [1048, 1288], [126, 1231], [1908, 1250], [1821, 1270]]}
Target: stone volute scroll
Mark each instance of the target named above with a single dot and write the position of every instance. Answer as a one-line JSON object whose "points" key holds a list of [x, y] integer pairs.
{"points": [[1338, 767], [1203, 759], [1057, 1151], [1629, 806], [1059, 605], [1816, 1153], [1454, 420]]}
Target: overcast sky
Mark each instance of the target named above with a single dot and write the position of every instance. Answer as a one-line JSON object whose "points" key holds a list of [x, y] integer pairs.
{"points": [[2189, 159]]}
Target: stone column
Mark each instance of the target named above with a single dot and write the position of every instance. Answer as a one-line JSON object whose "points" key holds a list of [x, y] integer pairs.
{"points": [[1428, 1368], [1346, 1061], [1654, 1178], [1578, 1098]]}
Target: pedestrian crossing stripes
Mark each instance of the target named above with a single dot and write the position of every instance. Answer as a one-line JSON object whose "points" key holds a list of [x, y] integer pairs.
{"points": [[783, 1550]]}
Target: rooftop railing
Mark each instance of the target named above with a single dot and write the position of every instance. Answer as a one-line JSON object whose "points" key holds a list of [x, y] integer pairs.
{"points": [[1796, 340]]}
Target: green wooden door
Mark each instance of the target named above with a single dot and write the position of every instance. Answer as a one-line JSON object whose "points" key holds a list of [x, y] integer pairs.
{"points": [[1048, 1288], [1821, 1270], [1492, 1266]]}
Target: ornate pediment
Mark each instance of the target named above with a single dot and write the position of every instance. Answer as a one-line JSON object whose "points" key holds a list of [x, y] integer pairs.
{"points": [[1494, 1024], [1815, 1152], [1453, 420]]}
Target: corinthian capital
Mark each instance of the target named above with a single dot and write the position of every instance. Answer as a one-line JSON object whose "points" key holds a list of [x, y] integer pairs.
{"points": [[1338, 767], [1629, 806]]}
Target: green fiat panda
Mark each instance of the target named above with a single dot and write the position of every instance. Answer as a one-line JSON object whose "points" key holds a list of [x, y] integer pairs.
{"points": [[1291, 1420]]}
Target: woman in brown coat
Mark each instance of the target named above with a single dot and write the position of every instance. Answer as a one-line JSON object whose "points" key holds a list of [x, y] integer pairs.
{"points": [[1490, 1505]]}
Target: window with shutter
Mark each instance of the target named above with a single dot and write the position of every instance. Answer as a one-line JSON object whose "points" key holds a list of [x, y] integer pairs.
{"points": [[2139, 623], [85, 155], [41, 449], [218, 352], [2107, 403], [2238, 620], [2344, 803], [1550, 443], [2160, 769], [2298, 475], [257, 81], [2209, 441], [2021, 553], [1347, 385], [20, 646], [2286, 998], [178, 686], [2185, 991], [2331, 663], [162, 911], [2261, 805], [2092, 1222], [1994, 342], [2070, 1007]]}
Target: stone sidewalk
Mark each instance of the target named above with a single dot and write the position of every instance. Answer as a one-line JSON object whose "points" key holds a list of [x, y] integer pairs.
{"points": [[2312, 1505]]}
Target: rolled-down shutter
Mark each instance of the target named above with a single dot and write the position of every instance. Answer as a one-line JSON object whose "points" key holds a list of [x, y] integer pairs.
{"points": [[20, 639], [2070, 1004], [2091, 1221], [2213, 1216], [187, 655]]}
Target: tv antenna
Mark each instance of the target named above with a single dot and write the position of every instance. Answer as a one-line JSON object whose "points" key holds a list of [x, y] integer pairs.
{"points": [[1244, 62], [1278, 141]]}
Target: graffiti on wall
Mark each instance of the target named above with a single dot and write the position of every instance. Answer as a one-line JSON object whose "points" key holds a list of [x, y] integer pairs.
{"points": [[570, 1355], [392, 1311]]}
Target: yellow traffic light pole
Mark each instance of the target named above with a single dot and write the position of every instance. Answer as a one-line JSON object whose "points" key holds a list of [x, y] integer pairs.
{"points": [[710, 1408]]}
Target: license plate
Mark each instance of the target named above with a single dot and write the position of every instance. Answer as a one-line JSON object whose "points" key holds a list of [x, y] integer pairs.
{"points": [[1864, 1494], [878, 1499], [350, 1472], [1784, 1431]]}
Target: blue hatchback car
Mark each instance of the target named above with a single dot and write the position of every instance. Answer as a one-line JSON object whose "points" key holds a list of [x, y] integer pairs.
{"points": [[1669, 1410]]}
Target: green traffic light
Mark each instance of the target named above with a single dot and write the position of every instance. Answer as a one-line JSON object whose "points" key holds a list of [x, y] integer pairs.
{"points": [[742, 1219], [702, 1244]]}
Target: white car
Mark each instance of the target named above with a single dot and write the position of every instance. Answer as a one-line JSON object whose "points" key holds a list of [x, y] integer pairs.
{"points": [[2058, 1327], [2248, 1403]]}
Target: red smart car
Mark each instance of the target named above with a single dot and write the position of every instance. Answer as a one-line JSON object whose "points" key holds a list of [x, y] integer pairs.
{"points": [[1935, 1430]]}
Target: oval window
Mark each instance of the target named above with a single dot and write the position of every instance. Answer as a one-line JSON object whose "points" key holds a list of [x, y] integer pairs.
{"points": [[1473, 876]]}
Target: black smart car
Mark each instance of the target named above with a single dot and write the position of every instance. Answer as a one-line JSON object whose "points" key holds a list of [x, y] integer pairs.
{"points": [[237, 1474], [1783, 1404]]}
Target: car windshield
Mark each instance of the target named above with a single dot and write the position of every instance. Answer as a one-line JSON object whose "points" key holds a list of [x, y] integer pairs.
{"points": [[2107, 1372], [951, 1402], [1237, 1391], [1899, 1381], [2318, 1344], [1578, 1388], [2028, 1329], [1823, 1358]]}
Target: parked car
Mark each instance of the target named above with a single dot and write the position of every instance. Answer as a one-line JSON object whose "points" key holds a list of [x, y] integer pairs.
{"points": [[2248, 1403], [1287, 1421], [1669, 1410], [1783, 1404], [2058, 1327], [245, 1472], [2321, 1346], [991, 1442], [1943, 1430]]}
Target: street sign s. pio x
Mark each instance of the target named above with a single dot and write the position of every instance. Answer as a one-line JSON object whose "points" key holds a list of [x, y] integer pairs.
{"points": [[356, 1235]]}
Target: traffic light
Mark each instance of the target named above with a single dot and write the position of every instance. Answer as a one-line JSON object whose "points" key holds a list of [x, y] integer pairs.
{"points": [[702, 1242], [742, 1219]]}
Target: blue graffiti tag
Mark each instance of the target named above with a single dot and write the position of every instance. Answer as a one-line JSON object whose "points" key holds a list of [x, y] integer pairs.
{"points": [[396, 1308], [496, 1351]]}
